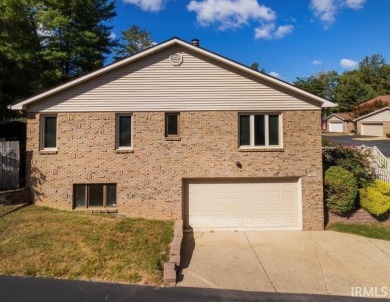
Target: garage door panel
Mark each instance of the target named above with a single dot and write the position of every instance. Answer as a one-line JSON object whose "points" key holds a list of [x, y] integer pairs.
{"points": [[243, 204], [335, 127], [372, 129], [260, 208]]}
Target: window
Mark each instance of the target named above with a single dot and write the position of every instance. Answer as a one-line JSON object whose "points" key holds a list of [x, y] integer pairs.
{"points": [[94, 195], [260, 130], [48, 132], [123, 131], [172, 124]]}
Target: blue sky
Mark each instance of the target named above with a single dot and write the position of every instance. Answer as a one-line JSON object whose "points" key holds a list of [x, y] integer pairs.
{"points": [[288, 38]]}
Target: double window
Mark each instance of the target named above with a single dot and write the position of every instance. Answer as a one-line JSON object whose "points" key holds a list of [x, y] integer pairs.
{"points": [[124, 131], [172, 124], [48, 132], [94, 195], [260, 130]]}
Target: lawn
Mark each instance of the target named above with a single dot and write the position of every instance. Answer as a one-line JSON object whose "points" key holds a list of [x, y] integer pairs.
{"points": [[39, 241], [377, 231], [6, 208]]}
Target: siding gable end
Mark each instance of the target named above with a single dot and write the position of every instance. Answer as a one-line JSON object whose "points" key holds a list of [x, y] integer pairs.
{"points": [[153, 83]]}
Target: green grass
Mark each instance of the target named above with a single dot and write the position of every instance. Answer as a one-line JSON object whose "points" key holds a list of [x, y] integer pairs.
{"points": [[39, 241], [381, 231]]}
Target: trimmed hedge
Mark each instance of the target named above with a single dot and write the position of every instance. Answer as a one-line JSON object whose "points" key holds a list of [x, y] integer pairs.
{"points": [[375, 198], [340, 190]]}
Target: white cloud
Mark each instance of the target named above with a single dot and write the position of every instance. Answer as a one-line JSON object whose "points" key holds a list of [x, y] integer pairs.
{"points": [[283, 30], [264, 31], [229, 13], [326, 10], [275, 74], [232, 14], [348, 64], [354, 4], [269, 31], [112, 36], [316, 62], [148, 5]]}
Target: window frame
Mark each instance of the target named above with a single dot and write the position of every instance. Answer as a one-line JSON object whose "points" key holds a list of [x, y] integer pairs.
{"points": [[177, 114], [266, 130], [86, 195], [117, 134], [42, 135]]}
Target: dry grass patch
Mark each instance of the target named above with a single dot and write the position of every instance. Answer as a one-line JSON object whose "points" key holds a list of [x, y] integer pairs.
{"points": [[6, 208], [39, 241]]}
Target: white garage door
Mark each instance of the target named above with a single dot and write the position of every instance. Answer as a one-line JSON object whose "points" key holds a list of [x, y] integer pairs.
{"points": [[243, 205], [372, 129], [335, 127]]}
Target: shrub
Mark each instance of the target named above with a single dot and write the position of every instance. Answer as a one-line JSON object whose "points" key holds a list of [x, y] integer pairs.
{"points": [[375, 198], [340, 190], [352, 159]]}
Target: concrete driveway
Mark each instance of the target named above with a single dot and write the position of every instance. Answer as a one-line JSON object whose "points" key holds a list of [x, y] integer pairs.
{"points": [[323, 262]]}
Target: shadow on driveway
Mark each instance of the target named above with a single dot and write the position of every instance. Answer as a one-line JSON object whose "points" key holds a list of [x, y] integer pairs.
{"points": [[21, 289], [187, 250]]}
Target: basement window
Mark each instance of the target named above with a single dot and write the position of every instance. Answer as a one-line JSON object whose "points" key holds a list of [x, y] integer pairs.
{"points": [[94, 195]]}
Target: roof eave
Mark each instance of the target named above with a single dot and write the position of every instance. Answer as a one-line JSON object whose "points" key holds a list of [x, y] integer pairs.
{"points": [[371, 113]]}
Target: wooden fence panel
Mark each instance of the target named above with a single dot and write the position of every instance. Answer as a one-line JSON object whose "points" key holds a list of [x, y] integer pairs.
{"points": [[9, 165]]}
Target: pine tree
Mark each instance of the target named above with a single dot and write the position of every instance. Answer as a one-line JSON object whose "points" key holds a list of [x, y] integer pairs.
{"points": [[135, 40]]}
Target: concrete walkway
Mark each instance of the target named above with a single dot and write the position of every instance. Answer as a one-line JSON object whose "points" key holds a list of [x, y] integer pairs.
{"points": [[322, 262]]}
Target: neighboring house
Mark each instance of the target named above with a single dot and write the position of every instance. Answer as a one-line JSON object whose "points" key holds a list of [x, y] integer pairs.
{"points": [[340, 122], [177, 131], [376, 123], [381, 98]]}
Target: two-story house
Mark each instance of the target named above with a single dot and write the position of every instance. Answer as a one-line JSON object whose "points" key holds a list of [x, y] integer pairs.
{"points": [[179, 132]]}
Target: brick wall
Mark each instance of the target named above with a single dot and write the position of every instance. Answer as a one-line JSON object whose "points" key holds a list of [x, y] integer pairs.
{"points": [[349, 126], [149, 180], [359, 216]]}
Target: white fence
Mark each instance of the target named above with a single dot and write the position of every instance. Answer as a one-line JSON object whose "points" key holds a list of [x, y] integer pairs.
{"points": [[383, 174], [382, 167], [9, 165]]}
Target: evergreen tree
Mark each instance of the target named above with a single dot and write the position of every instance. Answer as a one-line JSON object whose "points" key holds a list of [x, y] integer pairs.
{"points": [[135, 40], [44, 43]]}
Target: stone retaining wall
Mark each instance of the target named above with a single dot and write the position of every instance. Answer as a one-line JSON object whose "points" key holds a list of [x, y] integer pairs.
{"points": [[360, 216], [170, 268]]}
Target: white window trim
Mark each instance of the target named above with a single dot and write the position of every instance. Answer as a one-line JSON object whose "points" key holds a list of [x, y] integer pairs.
{"points": [[266, 131], [42, 122], [117, 147]]}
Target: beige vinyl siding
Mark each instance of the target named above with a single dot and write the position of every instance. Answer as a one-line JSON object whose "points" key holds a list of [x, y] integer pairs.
{"points": [[154, 84], [383, 116]]}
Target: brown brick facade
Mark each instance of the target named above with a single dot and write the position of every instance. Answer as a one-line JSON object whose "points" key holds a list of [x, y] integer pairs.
{"points": [[150, 179]]}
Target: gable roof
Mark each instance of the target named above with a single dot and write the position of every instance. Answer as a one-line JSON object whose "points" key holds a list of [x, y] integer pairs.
{"points": [[22, 105], [372, 113], [345, 116], [383, 98]]}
